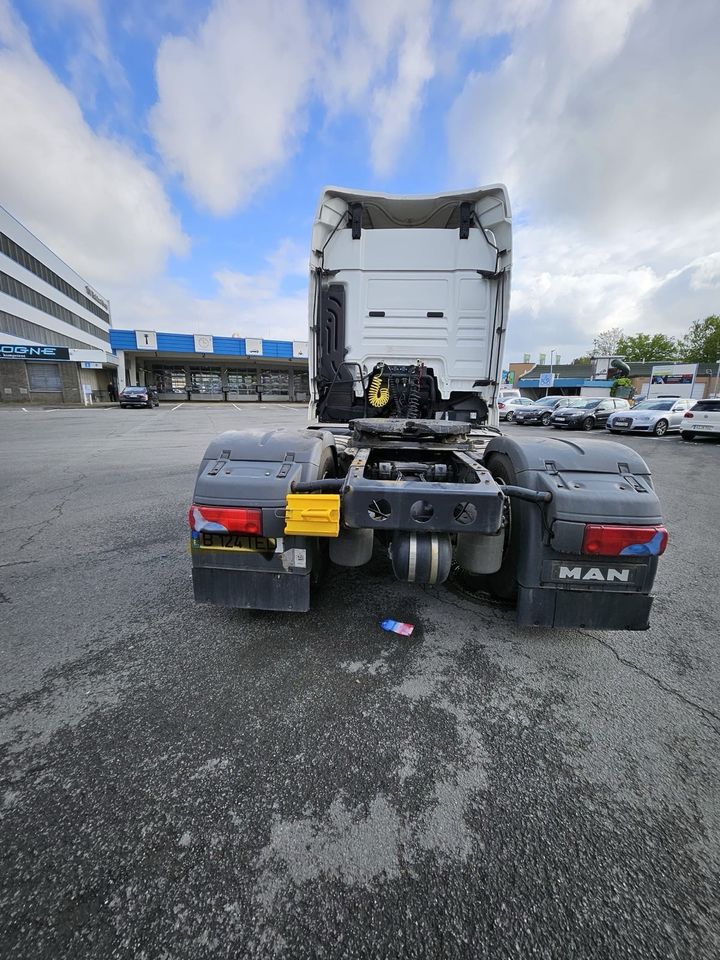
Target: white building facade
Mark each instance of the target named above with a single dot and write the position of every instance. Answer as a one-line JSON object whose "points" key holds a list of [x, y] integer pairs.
{"points": [[54, 327]]}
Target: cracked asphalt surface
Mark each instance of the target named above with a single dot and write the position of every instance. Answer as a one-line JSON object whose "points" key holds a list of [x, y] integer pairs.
{"points": [[184, 781]]}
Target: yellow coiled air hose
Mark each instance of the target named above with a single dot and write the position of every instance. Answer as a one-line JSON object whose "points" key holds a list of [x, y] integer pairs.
{"points": [[378, 392]]}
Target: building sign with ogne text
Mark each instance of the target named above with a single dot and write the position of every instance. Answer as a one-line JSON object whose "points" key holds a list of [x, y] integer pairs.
{"points": [[22, 351]]}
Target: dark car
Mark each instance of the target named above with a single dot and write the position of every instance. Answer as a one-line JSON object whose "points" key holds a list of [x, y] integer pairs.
{"points": [[541, 410], [587, 413], [139, 397]]}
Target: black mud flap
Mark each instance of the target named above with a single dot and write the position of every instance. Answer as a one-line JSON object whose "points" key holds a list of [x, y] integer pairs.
{"points": [[248, 590], [542, 607]]}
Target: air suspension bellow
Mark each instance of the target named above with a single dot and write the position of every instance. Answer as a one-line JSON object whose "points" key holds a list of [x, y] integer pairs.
{"points": [[421, 557]]}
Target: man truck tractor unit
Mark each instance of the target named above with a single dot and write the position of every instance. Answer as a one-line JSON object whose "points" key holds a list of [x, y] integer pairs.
{"points": [[408, 312]]}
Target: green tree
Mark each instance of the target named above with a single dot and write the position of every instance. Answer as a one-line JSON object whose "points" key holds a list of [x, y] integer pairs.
{"points": [[605, 343], [646, 346], [702, 343]]}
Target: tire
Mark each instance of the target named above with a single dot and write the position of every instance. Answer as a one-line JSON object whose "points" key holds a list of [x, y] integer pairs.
{"points": [[687, 434], [503, 583], [546, 419], [588, 423], [661, 428], [509, 416]]}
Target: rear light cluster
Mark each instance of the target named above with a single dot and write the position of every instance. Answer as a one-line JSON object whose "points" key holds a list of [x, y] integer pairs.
{"points": [[605, 540], [688, 414], [225, 519]]}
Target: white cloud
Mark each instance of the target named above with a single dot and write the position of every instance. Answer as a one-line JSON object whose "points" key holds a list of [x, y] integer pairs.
{"points": [[270, 303], [706, 273], [232, 98], [92, 57], [476, 18], [170, 306], [286, 261], [605, 123], [92, 199], [380, 57]]}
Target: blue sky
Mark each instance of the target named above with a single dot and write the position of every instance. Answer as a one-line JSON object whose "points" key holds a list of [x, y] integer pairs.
{"points": [[173, 152]]}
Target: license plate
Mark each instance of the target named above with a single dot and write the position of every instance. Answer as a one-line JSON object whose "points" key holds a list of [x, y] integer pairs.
{"points": [[703, 426], [621, 423], [237, 542], [559, 419]]}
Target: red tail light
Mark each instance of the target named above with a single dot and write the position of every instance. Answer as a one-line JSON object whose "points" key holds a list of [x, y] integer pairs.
{"points": [[605, 540], [501, 405], [688, 414], [225, 519]]}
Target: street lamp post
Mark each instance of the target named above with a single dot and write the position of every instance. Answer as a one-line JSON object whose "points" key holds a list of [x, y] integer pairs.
{"points": [[551, 365], [717, 378]]}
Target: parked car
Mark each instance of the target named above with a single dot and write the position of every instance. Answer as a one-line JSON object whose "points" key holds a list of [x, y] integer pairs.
{"points": [[508, 393], [658, 417], [508, 406], [586, 413], [541, 410], [702, 421], [139, 397]]}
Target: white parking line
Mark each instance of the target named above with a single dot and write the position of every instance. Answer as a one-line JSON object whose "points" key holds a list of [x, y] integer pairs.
{"points": [[24, 410], [177, 407]]}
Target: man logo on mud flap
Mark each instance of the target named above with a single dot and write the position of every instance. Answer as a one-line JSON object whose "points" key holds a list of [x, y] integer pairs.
{"points": [[610, 575]]}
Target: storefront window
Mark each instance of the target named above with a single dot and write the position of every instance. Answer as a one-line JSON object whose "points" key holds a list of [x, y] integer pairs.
{"points": [[206, 380], [275, 383], [243, 382], [301, 385], [169, 379]]}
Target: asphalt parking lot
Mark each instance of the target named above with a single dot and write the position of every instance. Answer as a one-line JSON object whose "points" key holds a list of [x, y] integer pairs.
{"points": [[183, 781]]}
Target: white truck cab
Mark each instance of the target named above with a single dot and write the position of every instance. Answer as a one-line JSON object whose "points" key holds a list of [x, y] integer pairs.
{"points": [[405, 287]]}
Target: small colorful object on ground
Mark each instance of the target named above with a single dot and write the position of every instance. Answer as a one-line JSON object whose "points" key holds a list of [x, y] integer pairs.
{"points": [[395, 626]]}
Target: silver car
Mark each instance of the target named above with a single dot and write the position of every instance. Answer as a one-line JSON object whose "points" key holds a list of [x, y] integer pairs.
{"points": [[657, 417]]}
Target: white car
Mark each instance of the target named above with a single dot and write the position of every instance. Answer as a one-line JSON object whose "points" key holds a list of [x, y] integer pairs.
{"points": [[702, 421], [508, 405], [657, 417], [508, 393]]}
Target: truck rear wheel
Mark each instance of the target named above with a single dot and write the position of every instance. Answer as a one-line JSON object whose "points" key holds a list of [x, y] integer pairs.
{"points": [[503, 583]]}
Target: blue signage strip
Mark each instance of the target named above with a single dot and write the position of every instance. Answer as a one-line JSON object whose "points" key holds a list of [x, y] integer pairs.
{"points": [[178, 343], [22, 351]]}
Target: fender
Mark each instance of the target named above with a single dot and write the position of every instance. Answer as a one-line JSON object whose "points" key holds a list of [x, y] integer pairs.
{"points": [[591, 481], [256, 468]]}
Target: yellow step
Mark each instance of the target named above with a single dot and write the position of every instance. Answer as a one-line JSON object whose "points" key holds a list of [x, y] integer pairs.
{"points": [[312, 515]]}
